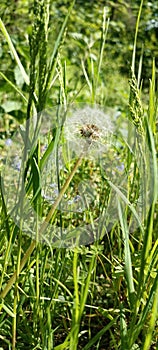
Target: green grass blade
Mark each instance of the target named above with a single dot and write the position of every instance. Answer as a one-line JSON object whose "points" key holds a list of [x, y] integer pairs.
{"points": [[152, 322], [123, 328], [127, 253], [127, 202], [13, 86], [53, 59], [136, 35], [99, 335], [152, 100], [147, 240], [151, 304], [7, 309], [12, 49], [103, 40], [85, 290]]}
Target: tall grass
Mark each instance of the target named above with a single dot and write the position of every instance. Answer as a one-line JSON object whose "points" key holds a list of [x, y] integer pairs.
{"points": [[100, 296]]}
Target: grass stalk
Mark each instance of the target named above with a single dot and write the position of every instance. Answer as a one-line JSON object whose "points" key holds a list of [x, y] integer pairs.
{"points": [[42, 229], [13, 51], [136, 35]]}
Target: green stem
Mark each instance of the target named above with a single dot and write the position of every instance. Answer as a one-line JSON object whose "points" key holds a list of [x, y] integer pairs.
{"points": [[42, 229]]}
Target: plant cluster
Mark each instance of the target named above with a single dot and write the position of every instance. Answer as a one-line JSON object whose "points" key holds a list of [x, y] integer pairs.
{"points": [[78, 181]]}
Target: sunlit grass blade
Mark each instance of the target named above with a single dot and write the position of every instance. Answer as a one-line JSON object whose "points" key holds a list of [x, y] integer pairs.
{"points": [[136, 35], [8, 310], [14, 52], [89, 83], [85, 287], [152, 321], [125, 200], [147, 239], [13, 86], [145, 313], [105, 27], [127, 253], [53, 58], [152, 100]]}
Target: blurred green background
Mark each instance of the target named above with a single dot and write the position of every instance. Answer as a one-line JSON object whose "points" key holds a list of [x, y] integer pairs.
{"points": [[80, 48]]}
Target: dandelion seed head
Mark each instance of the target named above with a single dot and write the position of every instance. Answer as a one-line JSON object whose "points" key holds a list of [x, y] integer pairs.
{"points": [[88, 129]]}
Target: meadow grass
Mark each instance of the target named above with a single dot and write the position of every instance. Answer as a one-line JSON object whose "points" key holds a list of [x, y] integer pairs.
{"points": [[101, 295]]}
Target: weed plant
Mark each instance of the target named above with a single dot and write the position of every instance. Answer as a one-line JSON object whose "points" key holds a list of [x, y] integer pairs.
{"points": [[103, 293]]}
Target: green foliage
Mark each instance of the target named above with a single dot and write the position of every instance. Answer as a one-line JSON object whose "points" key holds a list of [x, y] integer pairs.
{"points": [[104, 295]]}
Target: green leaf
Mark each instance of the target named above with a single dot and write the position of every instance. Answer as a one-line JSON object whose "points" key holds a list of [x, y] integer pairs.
{"points": [[13, 86], [98, 335], [7, 309], [9, 106], [18, 77]]}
